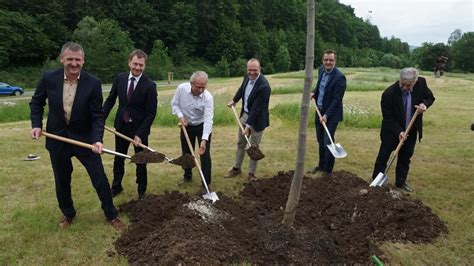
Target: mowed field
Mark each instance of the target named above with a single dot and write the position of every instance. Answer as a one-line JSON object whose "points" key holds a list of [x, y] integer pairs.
{"points": [[441, 171]]}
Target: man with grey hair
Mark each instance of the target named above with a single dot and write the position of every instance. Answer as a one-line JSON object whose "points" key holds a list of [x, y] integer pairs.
{"points": [[398, 106], [194, 106]]}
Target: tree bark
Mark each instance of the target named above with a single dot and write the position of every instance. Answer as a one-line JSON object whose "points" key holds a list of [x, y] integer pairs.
{"points": [[295, 189]]}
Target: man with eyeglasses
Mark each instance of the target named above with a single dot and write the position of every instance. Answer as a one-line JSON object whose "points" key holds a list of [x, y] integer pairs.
{"points": [[398, 107]]}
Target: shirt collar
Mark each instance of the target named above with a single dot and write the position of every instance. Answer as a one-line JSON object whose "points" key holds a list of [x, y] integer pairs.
{"points": [[65, 78], [136, 78]]}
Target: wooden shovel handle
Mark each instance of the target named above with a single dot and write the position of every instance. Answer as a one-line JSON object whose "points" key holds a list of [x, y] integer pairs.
{"points": [[127, 138], [70, 141], [190, 146], [412, 121], [240, 124], [82, 144]]}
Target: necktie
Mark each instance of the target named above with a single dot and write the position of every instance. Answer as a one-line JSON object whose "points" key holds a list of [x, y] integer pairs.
{"points": [[407, 103], [126, 115]]}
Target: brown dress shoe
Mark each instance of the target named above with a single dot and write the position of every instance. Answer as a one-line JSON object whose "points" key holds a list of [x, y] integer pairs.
{"points": [[117, 224], [65, 222], [251, 177], [233, 173]]}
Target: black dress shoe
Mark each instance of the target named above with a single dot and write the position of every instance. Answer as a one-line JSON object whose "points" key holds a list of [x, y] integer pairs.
{"points": [[314, 170], [115, 192], [141, 196], [404, 187]]}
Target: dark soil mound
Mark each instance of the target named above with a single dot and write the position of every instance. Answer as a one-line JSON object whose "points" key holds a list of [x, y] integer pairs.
{"points": [[339, 220]]}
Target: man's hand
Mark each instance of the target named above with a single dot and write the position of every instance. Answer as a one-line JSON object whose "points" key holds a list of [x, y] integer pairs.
{"points": [[231, 103], [421, 108], [247, 131], [97, 147], [36, 133], [182, 122], [323, 119], [137, 141], [403, 136], [202, 148]]}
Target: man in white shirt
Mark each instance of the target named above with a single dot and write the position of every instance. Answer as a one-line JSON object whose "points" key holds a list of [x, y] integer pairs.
{"points": [[194, 106]]}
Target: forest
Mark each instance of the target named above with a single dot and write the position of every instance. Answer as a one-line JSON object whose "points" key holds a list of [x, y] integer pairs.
{"points": [[216, 36]]}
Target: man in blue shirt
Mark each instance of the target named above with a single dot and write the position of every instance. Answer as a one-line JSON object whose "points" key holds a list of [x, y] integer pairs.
{"points": [[328, 95]]}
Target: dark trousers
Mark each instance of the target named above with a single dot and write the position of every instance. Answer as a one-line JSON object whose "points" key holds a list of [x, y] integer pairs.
{"points": [[326, 159], [62, 168], [121, 146], [403, 159], [195, 132]]}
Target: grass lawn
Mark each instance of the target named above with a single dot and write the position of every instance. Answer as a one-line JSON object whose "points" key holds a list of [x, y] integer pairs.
{"points": [[441, 173]]}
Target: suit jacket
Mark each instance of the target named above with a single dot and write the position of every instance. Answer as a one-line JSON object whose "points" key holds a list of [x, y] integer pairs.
{"points": [[335, 89], [258, 116], [142, 105], [87, 121], [393, 111]]}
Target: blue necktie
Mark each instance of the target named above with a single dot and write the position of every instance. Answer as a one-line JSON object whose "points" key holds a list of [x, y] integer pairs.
{"points": [[407, 103]]}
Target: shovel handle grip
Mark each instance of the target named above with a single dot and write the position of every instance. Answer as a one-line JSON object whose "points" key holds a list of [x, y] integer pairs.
{"points": [[141, 145], [240, 124]]}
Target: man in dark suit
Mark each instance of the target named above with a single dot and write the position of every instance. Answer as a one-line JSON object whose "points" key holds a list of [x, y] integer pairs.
{"points": [[328, 95], [398, 106], [136, 112], [75, 112], [255, 94]]}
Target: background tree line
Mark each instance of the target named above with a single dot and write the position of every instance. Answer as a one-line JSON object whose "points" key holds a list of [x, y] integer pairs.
{"points": [[217, 36]]}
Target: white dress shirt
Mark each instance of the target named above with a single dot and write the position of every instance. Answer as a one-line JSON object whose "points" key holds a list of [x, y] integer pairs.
{"points": [[195, 109]]}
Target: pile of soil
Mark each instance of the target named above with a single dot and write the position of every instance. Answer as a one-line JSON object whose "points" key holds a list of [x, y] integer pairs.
{"points": [[339, 220]]}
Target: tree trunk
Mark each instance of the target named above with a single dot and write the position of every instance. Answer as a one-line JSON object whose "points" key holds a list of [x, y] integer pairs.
{"points": [[295, 190]]}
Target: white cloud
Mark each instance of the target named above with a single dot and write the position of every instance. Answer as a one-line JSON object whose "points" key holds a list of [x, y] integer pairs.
{"points": [[416, 21]]}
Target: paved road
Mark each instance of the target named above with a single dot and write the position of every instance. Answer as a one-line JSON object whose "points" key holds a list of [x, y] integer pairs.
{"points": [[105, 88]]}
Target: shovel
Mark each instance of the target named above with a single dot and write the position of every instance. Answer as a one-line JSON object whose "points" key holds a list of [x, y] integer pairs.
{"points": [[212, 196], [336, 149], [133, 159], [151, 154], [381, 178], [253, 151]]}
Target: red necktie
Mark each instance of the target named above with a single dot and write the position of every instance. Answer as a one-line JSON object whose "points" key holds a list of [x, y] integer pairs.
{"points": [[126, 115]]}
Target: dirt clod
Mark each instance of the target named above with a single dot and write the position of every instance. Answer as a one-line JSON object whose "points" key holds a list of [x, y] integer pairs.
{"points": [[148, 157], [186, 161], [337, 222]]}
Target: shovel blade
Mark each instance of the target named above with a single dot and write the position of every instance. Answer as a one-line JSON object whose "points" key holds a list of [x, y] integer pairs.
{"points": [[255, 153], [337, 150], [212, 196], [379, 180]]}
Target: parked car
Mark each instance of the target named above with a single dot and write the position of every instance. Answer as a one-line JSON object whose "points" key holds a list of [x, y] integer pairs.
{"points": [[6, 89]]}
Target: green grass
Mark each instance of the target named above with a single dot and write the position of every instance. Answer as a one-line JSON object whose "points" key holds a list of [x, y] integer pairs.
{"points": [[441, 174]]}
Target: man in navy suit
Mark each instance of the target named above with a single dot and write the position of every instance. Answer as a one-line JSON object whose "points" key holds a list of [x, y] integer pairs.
{"points": [[398, 107], [75, 112], [136, 111], [255, 94], [328, 95]]}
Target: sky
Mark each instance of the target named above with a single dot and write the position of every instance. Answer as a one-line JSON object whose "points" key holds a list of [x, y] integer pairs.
{"points": [[416, 21]]}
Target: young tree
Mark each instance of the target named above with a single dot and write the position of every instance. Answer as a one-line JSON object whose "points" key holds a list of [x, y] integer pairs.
{"points": [[159, 63], [295, 189]]}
